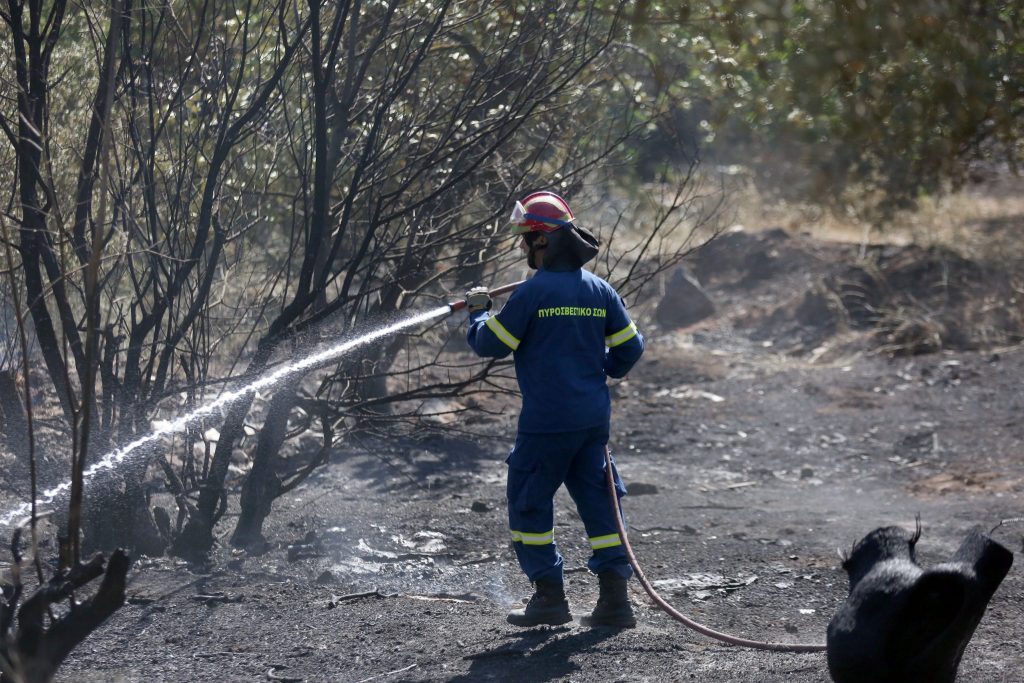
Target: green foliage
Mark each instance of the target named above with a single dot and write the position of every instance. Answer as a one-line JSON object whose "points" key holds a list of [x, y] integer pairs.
{"points": [[851, 103]]}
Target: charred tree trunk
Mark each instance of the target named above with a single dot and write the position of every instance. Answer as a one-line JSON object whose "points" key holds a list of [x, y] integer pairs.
{"points": [[33, 243], [32, 53], [196, 539], [13, 420], [263, 484], [34, 650]]}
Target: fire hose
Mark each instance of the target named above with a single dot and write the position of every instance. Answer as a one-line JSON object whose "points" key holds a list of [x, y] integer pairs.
{"points": [[672, 611], [658, 600]]}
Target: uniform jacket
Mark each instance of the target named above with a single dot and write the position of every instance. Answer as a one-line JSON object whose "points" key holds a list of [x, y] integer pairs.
{"points": [[567, 332]]}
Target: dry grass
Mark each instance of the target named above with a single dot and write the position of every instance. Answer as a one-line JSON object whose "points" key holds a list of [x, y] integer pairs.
{"points": [[981, 222]]}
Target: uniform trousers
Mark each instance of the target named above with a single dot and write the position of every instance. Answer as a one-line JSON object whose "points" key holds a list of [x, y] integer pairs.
{"points": [[537, 466]]}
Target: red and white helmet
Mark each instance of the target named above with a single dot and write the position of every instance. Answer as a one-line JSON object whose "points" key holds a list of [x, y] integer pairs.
{"points": [[541, 211]]}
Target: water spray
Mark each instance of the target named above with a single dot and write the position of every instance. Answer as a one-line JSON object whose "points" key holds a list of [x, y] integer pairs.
{"points": [[311, 362]]}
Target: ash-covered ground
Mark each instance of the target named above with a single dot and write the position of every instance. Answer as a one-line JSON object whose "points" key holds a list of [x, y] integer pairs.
{"points": [[817, 404]]}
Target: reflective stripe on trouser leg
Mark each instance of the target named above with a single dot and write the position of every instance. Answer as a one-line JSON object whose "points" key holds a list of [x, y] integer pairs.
{"points": [[527, 538], [606, 541], [538, 555], [589, 489]]}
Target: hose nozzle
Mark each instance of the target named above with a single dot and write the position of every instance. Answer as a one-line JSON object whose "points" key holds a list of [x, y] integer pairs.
{"points": [[504, 289]]}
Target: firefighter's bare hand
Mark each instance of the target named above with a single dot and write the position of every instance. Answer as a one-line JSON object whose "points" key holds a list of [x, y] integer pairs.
{"points": [[478, 299]]}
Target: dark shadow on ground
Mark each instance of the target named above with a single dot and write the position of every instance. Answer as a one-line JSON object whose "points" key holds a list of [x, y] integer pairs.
{"points": [[534, 655], [400, 464]]}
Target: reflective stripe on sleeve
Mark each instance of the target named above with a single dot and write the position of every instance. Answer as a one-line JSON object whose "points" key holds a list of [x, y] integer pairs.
{"points": [[619, 337], [598, 542], [533, 539], [501, 333]]}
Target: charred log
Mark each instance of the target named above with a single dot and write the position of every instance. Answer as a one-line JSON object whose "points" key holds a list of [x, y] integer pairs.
{"points": [[39, 635]]}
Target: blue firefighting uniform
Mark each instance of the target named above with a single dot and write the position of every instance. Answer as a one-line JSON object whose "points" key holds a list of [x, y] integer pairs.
{"points": [[567, 331]]}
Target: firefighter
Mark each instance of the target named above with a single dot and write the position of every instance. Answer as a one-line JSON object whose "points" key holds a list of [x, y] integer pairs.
{"points": [[567, 330]]}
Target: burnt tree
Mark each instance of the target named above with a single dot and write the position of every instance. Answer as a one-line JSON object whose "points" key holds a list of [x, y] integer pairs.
{"points": [[227, 183]]}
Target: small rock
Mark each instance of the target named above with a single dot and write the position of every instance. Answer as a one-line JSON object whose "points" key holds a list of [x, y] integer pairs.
{"points": [[684, 303], [480, 506]]}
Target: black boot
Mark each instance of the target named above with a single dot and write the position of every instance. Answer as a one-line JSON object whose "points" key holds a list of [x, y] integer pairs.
{"points": [[547, 606], [613, 607]]}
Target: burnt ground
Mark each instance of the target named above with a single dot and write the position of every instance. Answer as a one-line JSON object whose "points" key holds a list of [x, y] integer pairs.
{"points": [[756, 444]]}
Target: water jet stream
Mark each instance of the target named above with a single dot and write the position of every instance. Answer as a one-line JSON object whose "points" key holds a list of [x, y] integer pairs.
{"points": [[115, 458]]}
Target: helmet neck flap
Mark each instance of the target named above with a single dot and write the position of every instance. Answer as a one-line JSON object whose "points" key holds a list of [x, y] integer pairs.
{"points": [[568, 248]]}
